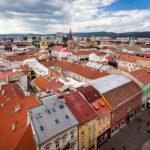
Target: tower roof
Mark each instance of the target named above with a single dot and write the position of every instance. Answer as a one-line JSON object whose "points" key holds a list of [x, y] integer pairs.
{"points": [[70, 35]]}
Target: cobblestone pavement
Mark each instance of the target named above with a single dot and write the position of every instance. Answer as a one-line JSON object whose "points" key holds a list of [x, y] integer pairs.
{"points": [[132, 136]]}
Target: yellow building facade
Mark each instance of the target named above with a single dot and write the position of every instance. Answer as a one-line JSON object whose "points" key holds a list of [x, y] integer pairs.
{"points": [[43, 45], [88, 135]]}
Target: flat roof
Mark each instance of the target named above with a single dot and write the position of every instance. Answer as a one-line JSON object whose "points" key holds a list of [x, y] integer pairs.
{"points": [[109, 82]]}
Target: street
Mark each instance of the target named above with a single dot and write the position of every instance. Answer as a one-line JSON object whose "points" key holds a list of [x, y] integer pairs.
{"points": [[133, 136]]}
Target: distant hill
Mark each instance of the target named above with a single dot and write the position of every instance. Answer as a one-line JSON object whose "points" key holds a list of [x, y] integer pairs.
{"points": [[145, 34]]}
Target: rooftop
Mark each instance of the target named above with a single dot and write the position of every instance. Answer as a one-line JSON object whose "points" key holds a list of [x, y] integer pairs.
{"points": [[41, 82], [89, 92], [79, 107], [49, 119], [141, 75], [13, 112], [122, 93], [109, 82]]}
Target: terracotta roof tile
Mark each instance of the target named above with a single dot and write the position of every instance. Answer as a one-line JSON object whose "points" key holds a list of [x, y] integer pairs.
{"points": [[26, 142], [25, 68], [141, 75], [11, 97], [41, 82]]}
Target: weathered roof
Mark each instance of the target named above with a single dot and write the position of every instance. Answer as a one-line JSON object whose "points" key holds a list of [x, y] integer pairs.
{"points": [[89, 92], [109, 82], [12, 97], [53, 119], [122, 93], [141, 75], [101, 107], [41, 82], [79, 107]]}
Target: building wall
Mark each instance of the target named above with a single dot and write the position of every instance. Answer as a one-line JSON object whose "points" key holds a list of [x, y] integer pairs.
{"points": [[93, 57], [53, 74], [88, 134], [125, 112], [60, 137], [55, 53], [15, 77], [103, 124]]}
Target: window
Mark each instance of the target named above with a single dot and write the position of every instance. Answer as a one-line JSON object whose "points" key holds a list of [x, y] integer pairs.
{"points": [[82, 132], [93, 125], [107, 116], [100, 122], [104, 119], [82, 144], [93, 136], [116, 116], [64, 139], [89, 128], [89, 139], [57, 144], [104, 129], [73, 147], [72, 135], [47, 147]]}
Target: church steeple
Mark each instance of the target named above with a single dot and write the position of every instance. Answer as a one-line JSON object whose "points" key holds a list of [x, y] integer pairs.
{"points": [[70, 35]]}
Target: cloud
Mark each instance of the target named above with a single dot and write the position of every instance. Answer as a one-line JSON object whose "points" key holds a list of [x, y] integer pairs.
{"points": [[49, 16]]}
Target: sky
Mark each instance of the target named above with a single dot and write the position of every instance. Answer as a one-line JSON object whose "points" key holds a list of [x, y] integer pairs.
{"points": [[51, 16]]}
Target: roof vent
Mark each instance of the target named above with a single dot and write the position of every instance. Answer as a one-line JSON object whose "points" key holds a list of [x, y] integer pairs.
{"points": [[13, 127], [3, 92], [2, 105], [45, 107], [17, 108], [53, 101]]}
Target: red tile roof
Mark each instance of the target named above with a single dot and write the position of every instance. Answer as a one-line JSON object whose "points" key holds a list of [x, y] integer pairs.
{"points": [[141, 75], [79, 107], [54, 85], [7, 74], [25, 68], [57, 48], [12, 97], [18, 57], [83, 71], [41, 82], [89, 92], [26, 142], [84, 52], [130, 58]]}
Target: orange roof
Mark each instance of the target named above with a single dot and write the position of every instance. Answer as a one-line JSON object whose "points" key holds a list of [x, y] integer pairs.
{"points": [[11, 97], [18, 57], [25, 68], [147, 69], [84, 52], [83, 71], [130, 58], [141, 75], [101, 107], [26, 142], [41, 82]]}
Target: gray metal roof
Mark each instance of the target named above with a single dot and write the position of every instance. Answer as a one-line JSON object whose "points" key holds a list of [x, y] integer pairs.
{"points": [[51, 118], [109, 82], [93, 65]]}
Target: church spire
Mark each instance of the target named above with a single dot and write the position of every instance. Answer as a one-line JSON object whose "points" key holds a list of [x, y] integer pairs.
{"points": [[70, 35]]}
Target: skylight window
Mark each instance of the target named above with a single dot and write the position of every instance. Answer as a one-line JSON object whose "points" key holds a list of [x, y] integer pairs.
{"points": [[57, 121], [61, 106], [42, 128], [53, 109], [67, 117]]}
